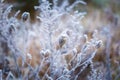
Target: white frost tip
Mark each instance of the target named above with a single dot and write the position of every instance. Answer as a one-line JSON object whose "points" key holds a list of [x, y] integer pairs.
{"points": [[75, 50], [29, 56]]}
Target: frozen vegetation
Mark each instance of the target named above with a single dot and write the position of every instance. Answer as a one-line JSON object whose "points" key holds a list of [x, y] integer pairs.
{"points": [[54, 48]]}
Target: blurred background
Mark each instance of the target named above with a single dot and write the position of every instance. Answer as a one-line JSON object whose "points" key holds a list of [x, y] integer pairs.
{"points": [[92, 5]]}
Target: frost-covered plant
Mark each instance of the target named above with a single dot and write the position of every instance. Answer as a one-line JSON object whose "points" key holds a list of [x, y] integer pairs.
{"points": [[7, 43], [55, 49]]}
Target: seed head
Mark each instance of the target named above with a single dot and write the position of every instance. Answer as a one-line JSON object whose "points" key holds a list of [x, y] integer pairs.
{"points": [[11, 28], [25, 16], [99, 44], [62, 41]]}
